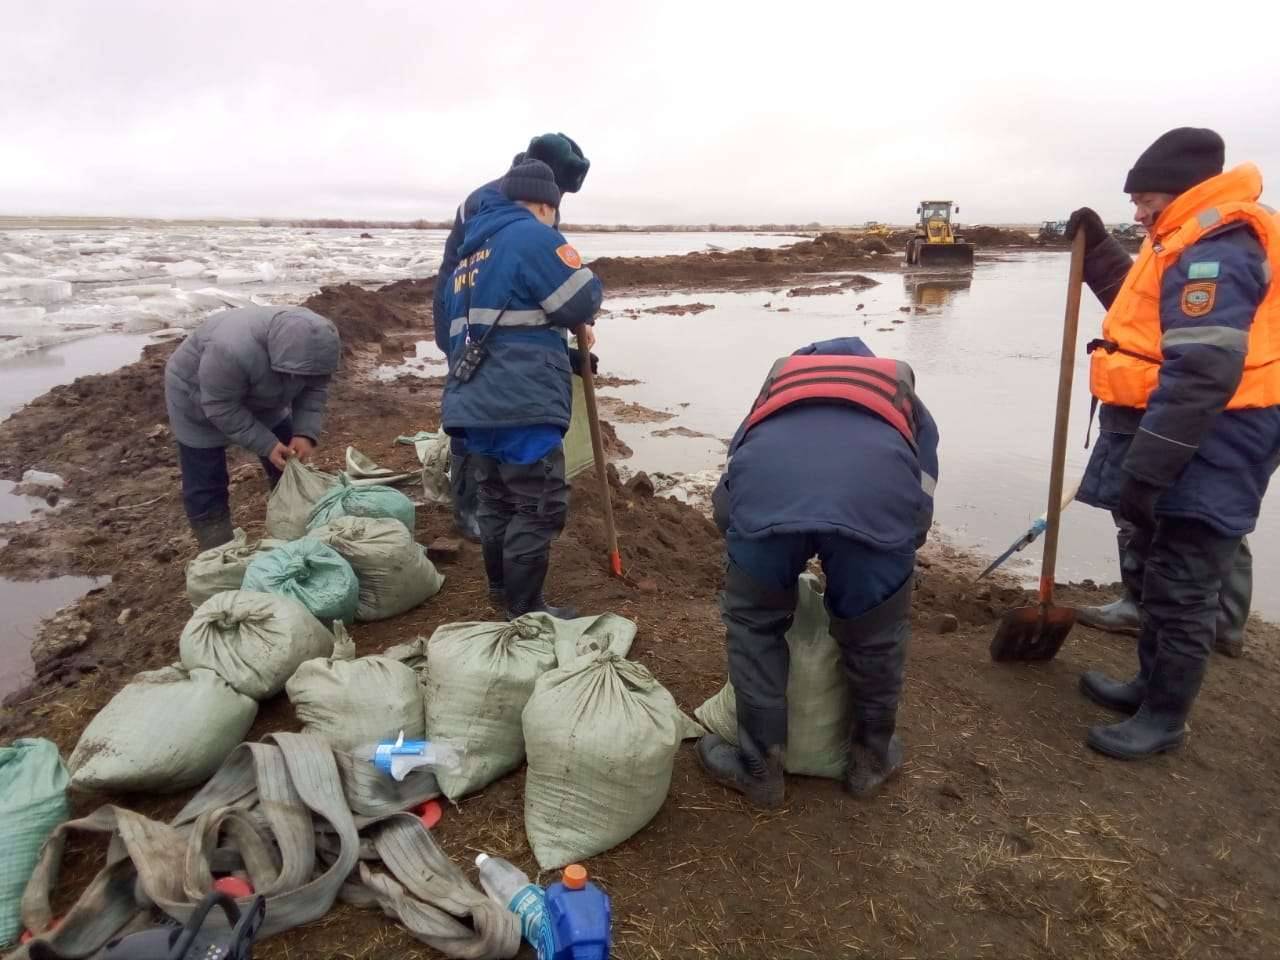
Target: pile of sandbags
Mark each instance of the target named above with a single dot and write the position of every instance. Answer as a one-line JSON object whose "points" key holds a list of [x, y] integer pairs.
{"points": [[222, 568], [818, 702], [310, 572], [393, 571], [352, 702], [254, 641], [480, 677], [350, 500], [601, 735], [294, 497], [169, 729]]}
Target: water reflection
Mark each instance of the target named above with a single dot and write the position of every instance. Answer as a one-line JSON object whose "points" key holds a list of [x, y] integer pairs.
{"points": [[934, 292]]}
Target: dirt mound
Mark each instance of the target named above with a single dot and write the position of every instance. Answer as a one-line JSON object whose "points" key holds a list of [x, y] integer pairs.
{"points": [[853, 283], [364, 317], [984, 236], [747, 268]]}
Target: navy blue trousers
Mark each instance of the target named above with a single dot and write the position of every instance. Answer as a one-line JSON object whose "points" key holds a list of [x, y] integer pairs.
{"points": [[206, 486]]}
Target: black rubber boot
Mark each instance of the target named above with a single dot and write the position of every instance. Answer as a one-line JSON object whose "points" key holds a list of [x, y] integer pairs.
{"points": [[1233, 604], [1123, 696], [874, 649], [464, 488], [1121, 616], [493, 569], [1160, 723], [212, 530], [523, 579], [756, 774]]}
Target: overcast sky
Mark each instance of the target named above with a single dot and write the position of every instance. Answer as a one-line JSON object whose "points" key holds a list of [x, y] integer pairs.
{"points": [[690, 111]]}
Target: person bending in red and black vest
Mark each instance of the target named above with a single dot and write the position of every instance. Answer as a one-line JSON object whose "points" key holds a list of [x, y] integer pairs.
{"points": [[838, 458]]}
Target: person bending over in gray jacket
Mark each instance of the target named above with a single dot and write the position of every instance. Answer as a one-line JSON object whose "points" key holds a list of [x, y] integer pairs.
{"points": [[255, 377]]}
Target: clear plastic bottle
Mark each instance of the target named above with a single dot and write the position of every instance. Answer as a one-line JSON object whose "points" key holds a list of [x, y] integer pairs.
{"points": [[398, 757], [507, 884]]}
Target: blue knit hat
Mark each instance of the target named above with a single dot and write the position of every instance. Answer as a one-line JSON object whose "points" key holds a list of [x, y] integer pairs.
{"points": [[531, 181]]}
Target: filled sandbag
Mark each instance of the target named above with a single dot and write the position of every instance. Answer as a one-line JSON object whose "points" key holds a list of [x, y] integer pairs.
{"points": [[254, 641], [353, 702], [394, 572], [601, 736], [349, 500], [33, 800], [818, 701], [291, 501], [169, 729], [310, 572], [479, 677], [222, 568]]}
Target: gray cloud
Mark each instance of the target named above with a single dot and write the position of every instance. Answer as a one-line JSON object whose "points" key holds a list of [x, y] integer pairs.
{"points": [[689, 112]]}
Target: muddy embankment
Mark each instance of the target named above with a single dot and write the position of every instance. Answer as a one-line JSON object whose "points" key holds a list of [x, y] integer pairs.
{"points": [[1003, 837]]}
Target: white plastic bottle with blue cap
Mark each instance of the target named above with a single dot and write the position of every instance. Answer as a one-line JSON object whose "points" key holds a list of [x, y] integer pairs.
{"points": [[398, 757], [508, 885]]}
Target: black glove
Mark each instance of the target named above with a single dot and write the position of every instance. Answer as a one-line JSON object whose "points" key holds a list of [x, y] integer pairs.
{"points": [[1095, 231], [575, 362], [1138, 502]]}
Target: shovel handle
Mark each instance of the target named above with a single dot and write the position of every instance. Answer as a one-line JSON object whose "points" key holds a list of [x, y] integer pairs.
{"points": [[597, 448], [1066, 373]]}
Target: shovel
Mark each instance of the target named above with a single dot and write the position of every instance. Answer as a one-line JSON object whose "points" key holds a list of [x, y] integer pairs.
{"points": [[1037, 633], [597, 448]]}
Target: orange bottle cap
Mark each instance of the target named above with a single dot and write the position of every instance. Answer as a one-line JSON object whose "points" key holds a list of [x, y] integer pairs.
{"points": [[575, 876]]}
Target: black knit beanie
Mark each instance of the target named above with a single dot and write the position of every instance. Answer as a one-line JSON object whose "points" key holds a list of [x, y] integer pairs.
{"points": [[563, 156], [531, 181], [1177, 161]]}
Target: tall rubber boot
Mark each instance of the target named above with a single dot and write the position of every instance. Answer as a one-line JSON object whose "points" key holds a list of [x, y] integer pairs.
{"points": [[874, 649], [753, 771], [1160, 723], [464, 490], [1122, 616], [1123, 696], [523, 578], [1233, 604], [491, 550], [756, 618], [212, 530]]}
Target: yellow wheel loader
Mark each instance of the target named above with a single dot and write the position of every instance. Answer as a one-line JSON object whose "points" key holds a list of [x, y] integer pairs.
{"points": [[936, 243]]}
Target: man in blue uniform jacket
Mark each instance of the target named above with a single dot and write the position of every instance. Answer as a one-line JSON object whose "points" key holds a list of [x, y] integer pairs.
{"points": [[838, 458], [569, 167], [517, 291]]}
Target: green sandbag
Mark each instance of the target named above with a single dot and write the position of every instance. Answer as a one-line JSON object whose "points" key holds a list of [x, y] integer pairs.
{"points": [[355, 701], [817, 694], [222, 568], [254, 641], [347, 500], [310, 572], [601, 736], [291, 501], [168, 729], [33, 800], [394, 572]]}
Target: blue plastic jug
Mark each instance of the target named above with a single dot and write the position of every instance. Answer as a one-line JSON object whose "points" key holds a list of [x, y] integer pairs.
{"points": [[577, 920]]}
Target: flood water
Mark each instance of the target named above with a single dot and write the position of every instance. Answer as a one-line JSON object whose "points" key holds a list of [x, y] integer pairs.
{"points": [[985, 351], [25, 603]]}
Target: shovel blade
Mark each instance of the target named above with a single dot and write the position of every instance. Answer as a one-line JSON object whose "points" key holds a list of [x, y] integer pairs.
{"points": [[1032, 633]]}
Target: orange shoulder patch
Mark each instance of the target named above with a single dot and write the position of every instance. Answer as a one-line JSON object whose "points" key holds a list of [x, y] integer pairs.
{"points": [[1197, 298], [569, 255]]}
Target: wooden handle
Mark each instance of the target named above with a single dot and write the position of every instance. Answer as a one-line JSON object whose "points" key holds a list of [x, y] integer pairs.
{"points": [[1066, 373], [597, 448]]}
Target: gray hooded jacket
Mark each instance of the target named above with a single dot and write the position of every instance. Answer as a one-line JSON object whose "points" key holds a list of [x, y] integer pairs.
{"points": [[243, 371]]}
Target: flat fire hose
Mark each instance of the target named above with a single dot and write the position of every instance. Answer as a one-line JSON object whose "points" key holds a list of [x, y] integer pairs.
{"points": [[307, 824]]}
